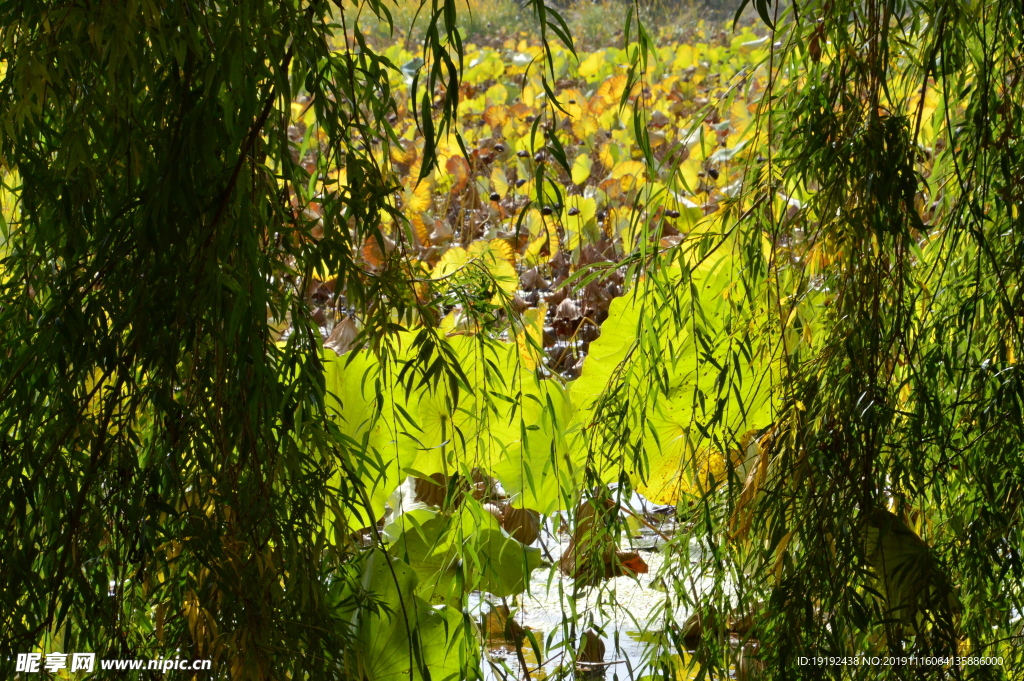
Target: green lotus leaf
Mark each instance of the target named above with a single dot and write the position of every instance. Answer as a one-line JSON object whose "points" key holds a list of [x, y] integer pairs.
{"points": [[463, 552], [679, 346], [499, 417], [354, 381], [407, 638]]}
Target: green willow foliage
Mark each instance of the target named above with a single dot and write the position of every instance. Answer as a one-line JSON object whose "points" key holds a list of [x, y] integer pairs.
{"points": [[913, 399], [170, 469], [165, 461]]}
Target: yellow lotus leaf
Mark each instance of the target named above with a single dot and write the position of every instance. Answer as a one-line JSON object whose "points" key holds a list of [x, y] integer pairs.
{"points": [[631, 182], [499, 181], [572, 100], [455, 266], [496, 116], [684, 58], [689, 212], [738, 114], [608, 154], [493, 249], [591, 65], [629, 168], [418, 199], [531, 339], [688, 173], [303, 113], [701, 145], [597, 106], [420, 229], [677, 465], [527, 189], [581, 210], [458, 168], [695, 475], [453, 259], [618, 219], [529, 95], [931, 103], [585, 125], [473, 105], [338, 177], [609, 118], [612, 187], [611, 90], [414, 171], [533, 223], [581, 169], [496, 94], [405, 153], [531, 256]]}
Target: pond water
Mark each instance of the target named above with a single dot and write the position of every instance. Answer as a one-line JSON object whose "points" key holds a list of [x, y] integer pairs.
{"points": [[624, 613]]}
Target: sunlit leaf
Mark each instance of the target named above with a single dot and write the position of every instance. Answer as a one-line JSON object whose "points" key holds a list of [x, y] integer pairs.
{"points": [[581, 169]]}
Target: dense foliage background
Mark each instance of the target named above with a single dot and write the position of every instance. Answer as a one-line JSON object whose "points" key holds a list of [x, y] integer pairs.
{"points": [[263, 262]]}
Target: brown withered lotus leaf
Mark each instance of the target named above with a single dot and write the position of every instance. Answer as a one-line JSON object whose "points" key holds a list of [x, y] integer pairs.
{"points": [[628, 563], [592, 648], [317, 232], [708, 620], [485, 488], [595, 297], [319, 316], [522, 524], [560, 264], [519, 305], [658, 120], [588, 333], [442, 232], [327, 287], [533, 280], [431, 491], [591, 254], [668, 229], [499, 625], [696, 624], [567, 318], [459, 169], [586, 536], [562, 360], [577, 368], [343, 336], [592, 555], [373, 255], [554, 298], [319, 293], [568, 310], [495, 510]]}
